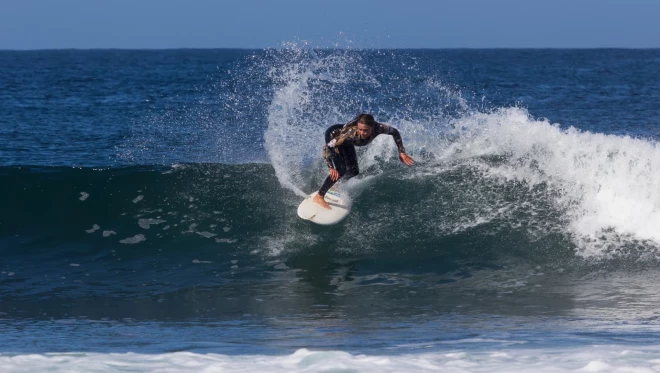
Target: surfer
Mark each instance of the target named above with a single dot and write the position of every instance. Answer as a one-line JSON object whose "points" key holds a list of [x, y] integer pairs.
{"points": [[339, 151]]}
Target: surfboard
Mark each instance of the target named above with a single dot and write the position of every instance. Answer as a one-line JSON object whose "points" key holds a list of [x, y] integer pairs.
{"points": [[340, 206]]}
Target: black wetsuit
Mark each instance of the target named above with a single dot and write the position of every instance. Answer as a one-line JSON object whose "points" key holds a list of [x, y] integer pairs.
{"points": [[339, 151]]}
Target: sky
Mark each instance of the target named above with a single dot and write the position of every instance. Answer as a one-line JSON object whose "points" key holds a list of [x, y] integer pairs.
{"points": [[159, 24]]}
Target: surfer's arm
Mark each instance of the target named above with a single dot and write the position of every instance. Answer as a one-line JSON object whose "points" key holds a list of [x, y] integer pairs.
{"points": [[330, 149], [329, 155], [389, 130]]}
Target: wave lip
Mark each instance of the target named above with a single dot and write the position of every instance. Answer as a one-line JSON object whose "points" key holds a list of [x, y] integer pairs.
{"points": [[607, 185]]}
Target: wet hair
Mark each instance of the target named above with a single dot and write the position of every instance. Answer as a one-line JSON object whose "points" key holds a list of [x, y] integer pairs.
{"points": [[367, 119]]}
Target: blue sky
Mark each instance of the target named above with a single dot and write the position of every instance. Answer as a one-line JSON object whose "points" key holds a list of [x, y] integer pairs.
{"points": [[46, 24]]}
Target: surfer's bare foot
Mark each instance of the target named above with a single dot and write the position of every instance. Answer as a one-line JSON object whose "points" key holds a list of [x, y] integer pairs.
{"points": [[319, 200]]}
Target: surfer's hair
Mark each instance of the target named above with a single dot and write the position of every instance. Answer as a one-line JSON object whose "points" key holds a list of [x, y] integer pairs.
{"points": [[367, 119]]}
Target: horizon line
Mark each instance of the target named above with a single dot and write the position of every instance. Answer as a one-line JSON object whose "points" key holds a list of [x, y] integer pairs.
{"points": [[323, 48]]}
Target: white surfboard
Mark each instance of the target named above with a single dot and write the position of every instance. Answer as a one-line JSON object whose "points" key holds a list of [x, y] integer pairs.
{"points": [[340, 206]]}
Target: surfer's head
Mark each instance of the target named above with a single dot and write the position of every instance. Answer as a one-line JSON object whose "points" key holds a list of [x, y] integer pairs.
{"points": [[365, 125]]}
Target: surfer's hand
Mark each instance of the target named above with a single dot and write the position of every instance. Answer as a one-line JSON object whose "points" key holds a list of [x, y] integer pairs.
{"points": [[334, 174], [405, 158]]}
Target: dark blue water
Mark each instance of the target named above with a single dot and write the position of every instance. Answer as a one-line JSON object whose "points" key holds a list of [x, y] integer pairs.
{"points": [[149, 201], [87, 107]]}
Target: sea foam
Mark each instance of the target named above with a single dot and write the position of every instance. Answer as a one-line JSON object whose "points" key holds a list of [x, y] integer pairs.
{"points": [[581, 359]]}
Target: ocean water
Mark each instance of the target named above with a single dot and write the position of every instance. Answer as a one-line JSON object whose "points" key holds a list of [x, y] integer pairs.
{"points": [[148, 215]]}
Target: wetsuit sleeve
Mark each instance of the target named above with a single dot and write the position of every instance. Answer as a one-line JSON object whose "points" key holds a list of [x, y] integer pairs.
{"points": [[329, 152], [328, 155], [388, 130]]}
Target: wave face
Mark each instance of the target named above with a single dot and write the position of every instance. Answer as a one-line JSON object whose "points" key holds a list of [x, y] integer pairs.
{"points": [[491, 214], [500, 174]]}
